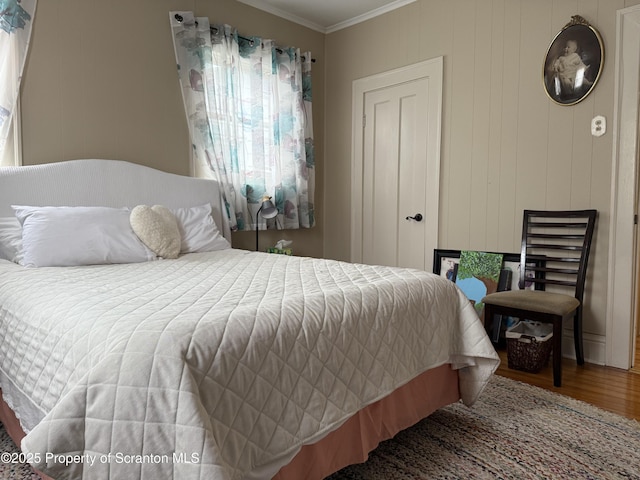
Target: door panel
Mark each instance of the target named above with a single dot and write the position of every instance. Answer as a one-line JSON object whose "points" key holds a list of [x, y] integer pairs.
{"points": [[413, 178]]}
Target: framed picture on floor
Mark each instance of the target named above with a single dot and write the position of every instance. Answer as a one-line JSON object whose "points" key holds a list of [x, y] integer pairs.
{"points": [[446, 263]]}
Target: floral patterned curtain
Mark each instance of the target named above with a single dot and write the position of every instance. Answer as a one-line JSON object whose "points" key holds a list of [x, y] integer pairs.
{"points": [[16, 19], [248, 104]]}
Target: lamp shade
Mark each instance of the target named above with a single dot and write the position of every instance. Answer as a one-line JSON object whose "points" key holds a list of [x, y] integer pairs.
{"points": [[268, 209]]}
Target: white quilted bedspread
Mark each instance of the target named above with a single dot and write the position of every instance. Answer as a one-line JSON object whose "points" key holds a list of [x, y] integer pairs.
{"points": [[216, 365]]}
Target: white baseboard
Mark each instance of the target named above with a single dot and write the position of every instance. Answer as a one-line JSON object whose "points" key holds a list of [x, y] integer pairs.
{"points": [[594, 347]]}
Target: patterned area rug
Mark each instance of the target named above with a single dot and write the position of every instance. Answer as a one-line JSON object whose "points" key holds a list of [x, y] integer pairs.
{"points": [[10, 468], [515, 431]]}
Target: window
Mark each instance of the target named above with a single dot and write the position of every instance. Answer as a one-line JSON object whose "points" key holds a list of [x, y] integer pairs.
{"points": [[248, 103]]}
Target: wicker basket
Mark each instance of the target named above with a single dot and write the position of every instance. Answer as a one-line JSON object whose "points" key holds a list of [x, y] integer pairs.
{"points": [[529, 345]]}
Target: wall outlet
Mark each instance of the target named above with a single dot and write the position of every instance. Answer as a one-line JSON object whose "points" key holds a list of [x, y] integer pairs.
{"points": [[598, 126]]}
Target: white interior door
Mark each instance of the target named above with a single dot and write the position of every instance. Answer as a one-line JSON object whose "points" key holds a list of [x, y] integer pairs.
{"points": [[396, 166]]}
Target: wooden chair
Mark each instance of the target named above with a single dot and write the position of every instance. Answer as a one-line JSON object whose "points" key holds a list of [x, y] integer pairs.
{"points": [[555, 251]]}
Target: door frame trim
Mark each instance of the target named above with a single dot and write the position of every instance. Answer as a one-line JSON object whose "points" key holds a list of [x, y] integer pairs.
{"points": [[621, 293], [433, 70]]}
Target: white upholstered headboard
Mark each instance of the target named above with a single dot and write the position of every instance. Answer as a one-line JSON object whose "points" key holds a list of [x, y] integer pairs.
{"points": [[109, 183]]}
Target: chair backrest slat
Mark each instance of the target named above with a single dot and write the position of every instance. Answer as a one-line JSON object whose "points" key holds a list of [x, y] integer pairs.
{"points": [[566, 271], [557, 282], [559, 224], [555, 248], [549, 246]]}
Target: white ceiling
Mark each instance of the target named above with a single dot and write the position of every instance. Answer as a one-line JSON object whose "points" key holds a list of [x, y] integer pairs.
{"points": [[327, 16]]}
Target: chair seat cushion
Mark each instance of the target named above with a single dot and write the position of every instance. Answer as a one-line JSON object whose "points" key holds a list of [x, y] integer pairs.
{"points": [[535, 301]]}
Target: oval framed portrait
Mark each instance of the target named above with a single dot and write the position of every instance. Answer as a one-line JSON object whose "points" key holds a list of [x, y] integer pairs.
{"points": [[573, 62]]}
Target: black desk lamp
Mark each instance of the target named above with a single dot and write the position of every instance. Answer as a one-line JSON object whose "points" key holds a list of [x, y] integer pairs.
{"points": [[266, 210]]}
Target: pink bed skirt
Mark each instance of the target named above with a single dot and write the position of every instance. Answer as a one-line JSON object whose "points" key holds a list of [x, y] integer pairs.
{"points": [[13, 428], [362, 433], [352, 442]]}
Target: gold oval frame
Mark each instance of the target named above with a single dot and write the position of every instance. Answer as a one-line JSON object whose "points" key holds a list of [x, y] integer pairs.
{"points": [[569, 77]]}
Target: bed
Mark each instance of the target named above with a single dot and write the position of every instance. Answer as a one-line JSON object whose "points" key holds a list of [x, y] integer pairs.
{"points": [[220, 363]]}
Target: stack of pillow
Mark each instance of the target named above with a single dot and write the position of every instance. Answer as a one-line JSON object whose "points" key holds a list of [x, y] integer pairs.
{"points": [[71, 236]]}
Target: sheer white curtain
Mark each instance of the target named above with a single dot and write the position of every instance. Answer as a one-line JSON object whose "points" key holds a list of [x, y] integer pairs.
{"points": [[248, 104], [16, 19]]}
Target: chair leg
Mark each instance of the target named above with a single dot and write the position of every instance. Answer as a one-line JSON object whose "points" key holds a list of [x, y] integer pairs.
{"points": [[577, 336], [557, 352], [488, 316]]}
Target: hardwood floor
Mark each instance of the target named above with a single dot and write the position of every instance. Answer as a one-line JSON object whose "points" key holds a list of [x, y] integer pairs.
{"points": [[611, 389]]}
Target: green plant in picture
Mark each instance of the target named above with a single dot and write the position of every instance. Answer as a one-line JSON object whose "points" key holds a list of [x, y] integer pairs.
{"points": [[478, 275]]}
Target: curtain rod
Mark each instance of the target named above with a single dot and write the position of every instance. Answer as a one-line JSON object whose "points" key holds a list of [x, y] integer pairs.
{"points": [[179, 18]]}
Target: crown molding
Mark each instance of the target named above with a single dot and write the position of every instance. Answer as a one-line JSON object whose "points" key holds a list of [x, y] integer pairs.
{"points": [[261, 5]]}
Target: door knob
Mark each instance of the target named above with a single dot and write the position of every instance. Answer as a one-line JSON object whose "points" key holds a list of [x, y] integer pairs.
{"points": [[417, 217]]}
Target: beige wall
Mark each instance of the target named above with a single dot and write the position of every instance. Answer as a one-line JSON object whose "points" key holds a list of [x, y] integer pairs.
{"points": [[505, 145], [101, 82]]}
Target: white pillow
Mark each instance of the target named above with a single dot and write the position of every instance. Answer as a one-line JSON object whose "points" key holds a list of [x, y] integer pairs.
{"points": [[198, 230], [67, 236], [10, 238]]}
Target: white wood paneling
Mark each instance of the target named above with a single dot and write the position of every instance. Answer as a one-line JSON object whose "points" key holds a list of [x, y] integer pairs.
{"points": [[494, 114], [509, 233], [479, 192], [462, 79]]}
